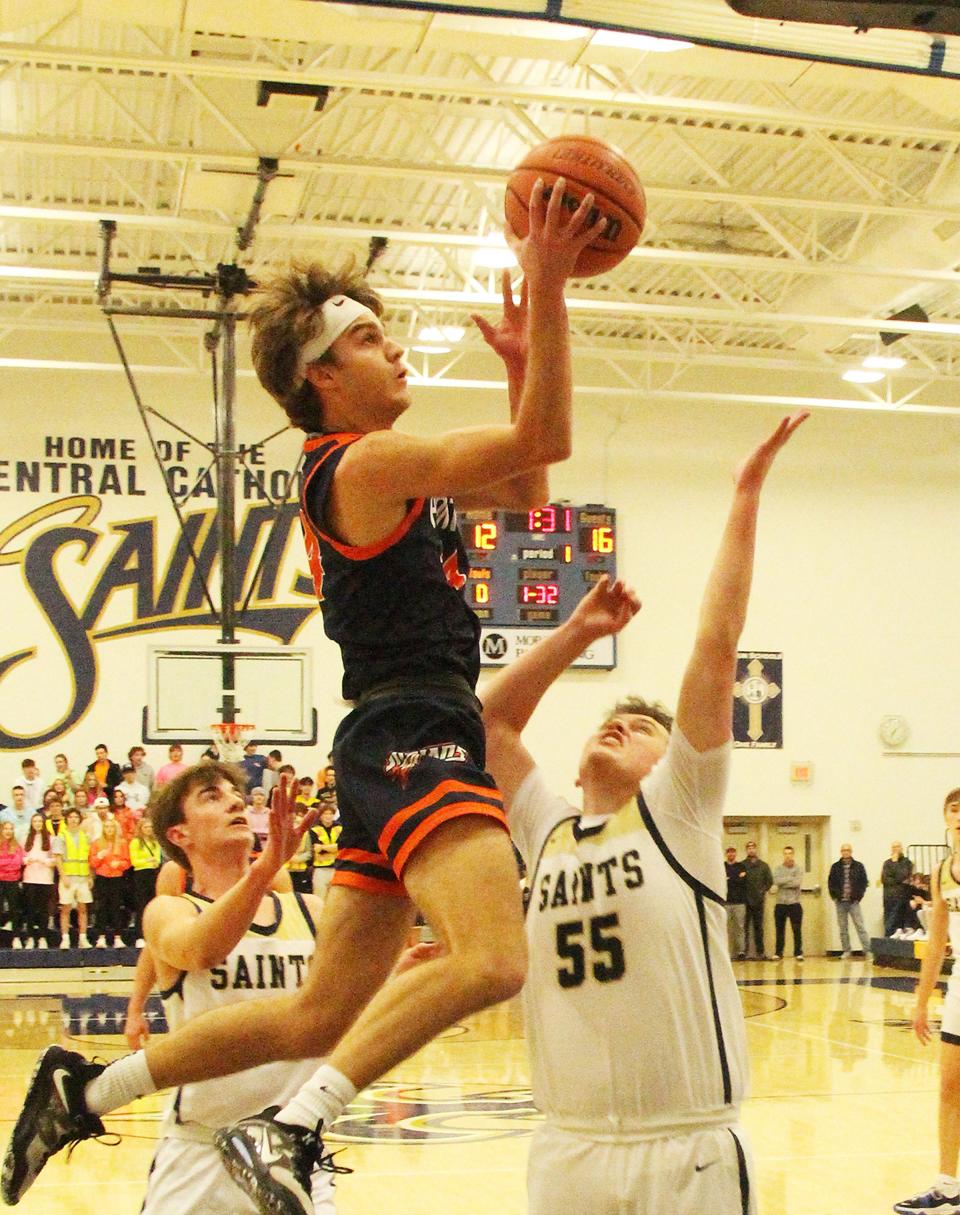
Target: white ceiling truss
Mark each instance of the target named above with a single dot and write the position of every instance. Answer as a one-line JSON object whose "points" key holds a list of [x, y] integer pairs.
{"points": [[794, 204]]}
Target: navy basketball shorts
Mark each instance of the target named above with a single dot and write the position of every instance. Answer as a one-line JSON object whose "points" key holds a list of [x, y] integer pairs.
{"points": [[405, 763]]}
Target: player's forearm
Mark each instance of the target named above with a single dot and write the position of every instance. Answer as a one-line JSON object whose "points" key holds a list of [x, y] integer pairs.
{"points": [[511, 697], [205, 940], [723, 612], [544, 413], [932, 959], [144, 978]]}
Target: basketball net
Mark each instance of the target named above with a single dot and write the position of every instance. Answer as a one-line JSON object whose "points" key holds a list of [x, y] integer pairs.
{"points": [[230, 738]]}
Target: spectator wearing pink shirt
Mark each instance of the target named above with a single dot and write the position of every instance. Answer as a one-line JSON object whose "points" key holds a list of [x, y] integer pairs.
{"points": [[174, 767], [39, 866], [11, 869]]}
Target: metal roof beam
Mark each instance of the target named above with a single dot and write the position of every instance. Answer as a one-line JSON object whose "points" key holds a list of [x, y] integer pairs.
{"points": [[408, 81]]}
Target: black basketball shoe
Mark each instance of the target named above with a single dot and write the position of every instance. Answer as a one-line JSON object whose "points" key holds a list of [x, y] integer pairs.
{"points": [[54, 1116], [272, 1162]]}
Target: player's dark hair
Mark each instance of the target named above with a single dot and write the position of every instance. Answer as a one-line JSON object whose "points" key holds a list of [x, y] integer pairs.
{"points": [[166, 804], [952, 796], [285, 317], [644, 708]]}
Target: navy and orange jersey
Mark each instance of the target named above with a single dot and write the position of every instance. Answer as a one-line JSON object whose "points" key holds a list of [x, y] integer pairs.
{"points": [[394, 608]]}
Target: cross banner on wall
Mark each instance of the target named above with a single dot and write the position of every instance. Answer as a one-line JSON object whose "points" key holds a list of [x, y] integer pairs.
{"points": [[758, 700]]}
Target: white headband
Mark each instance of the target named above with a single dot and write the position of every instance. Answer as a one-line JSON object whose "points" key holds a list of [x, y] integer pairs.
{"points": [[339, 313]]}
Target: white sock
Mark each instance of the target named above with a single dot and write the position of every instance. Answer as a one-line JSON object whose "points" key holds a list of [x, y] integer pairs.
{"points": [[119, 1084], [321, 1100], [948, 1185]]}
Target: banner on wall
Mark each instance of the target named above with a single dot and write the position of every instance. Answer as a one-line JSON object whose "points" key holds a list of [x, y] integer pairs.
{"points": [[758, 700], [90, 552]]}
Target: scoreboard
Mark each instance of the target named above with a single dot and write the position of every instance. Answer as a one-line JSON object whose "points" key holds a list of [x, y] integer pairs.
{"points": [[530, 569]]}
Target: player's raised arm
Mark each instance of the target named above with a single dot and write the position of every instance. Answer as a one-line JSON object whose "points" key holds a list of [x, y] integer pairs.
{"points": [[397, 467], [703, 711], [509, 339], [510, 698], [181, 939]]}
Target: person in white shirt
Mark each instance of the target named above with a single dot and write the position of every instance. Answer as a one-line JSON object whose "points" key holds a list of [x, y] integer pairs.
{"points": [[33, 787], [136, 795], [634, 1023], [64, 772], [17, 813], [144, 774]]}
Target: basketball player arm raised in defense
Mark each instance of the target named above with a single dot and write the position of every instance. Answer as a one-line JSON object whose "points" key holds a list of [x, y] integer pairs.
{"points": [[178, 938], [703, 711], [136, 1029]]}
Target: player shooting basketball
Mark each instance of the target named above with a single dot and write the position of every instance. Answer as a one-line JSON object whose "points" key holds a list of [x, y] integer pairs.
{"points": [[423, 821]]}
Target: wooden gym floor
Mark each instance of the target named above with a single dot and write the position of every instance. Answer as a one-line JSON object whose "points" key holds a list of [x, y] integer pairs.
{"points": [[842, 1114]]}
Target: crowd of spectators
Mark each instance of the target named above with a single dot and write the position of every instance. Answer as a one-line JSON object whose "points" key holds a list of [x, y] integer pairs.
{"points": [[78, 853]]}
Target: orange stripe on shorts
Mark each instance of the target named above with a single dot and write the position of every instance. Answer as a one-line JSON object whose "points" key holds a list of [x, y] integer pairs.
{"points": [[359, 857], [453, 810], [441, 790], [360, 881]]}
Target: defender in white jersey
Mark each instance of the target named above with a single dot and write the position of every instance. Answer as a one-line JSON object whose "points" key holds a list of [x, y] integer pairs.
{"points": [[207, 954], [636, 1032], [943, 925]]}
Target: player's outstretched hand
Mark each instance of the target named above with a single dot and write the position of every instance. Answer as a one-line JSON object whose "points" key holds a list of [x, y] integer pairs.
{"points": [[416, 955], [509, 336], [606, 608], [556, 238], [136, 1030], [751, 473], [921, 1026], [285, 832]]}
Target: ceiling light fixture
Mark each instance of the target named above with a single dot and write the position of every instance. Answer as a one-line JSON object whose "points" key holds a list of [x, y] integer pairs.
{"points": [[639, 42], [883, 362], [48, 272], [494, 257], [859, 375], [431, 349], [434, 334]]}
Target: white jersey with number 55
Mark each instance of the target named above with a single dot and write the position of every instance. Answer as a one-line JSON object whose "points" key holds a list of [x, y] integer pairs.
{"points": [[633, 1016]]}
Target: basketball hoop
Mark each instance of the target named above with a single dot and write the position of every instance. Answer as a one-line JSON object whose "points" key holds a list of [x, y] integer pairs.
{"points": [[230, 738]]}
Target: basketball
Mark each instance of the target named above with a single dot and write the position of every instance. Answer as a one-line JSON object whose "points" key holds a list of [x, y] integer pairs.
{"points": [[587, 165]]}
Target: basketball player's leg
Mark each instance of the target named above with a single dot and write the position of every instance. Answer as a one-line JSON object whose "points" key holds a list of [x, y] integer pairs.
{"points": [[463, 878], [359, 937], [943, 1197], [361, 932], [949, 1116]]}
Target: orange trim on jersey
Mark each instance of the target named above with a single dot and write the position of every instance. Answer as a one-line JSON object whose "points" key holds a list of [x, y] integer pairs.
{"points": [[339, 438], [353, 552], [359, 881], [359, 857], [454, 810], [435, 794]]}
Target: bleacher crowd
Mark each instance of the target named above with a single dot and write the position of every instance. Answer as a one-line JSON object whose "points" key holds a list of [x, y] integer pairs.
{"points": [[78, 853]]}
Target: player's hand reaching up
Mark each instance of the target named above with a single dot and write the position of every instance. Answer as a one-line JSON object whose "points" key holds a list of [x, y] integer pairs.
{"points": [[606, 608], [509, 336], [285, 831], [752, 472], [556, 237]]}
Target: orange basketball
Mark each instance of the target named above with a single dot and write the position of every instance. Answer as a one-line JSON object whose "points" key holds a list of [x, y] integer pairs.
{"points": [[588, 166]]}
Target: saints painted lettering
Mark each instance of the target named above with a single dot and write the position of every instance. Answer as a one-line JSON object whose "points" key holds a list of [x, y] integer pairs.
{"points": [[73, 569]]}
